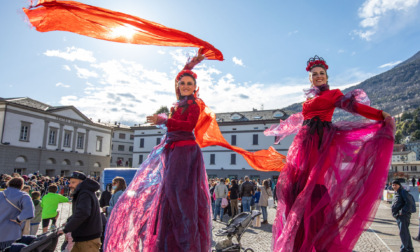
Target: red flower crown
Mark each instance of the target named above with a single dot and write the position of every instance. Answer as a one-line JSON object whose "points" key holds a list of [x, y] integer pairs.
{"points": [[184, 72], [316, 61]]}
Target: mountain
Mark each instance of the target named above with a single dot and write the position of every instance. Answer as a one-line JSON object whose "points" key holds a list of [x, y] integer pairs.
{"points": [[394, 91]]}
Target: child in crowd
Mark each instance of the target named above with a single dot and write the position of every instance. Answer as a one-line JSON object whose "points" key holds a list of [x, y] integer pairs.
{"points": [[36, 199], [49, 206]]}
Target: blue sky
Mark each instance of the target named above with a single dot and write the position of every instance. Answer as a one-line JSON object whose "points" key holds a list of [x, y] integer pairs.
{"points": [[265, 44]]}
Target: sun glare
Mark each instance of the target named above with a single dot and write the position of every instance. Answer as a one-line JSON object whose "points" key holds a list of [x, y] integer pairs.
{"points": [[126, 31]]}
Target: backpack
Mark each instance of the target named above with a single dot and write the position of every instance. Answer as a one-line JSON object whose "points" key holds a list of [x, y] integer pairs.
{"points": [[411, 203]]}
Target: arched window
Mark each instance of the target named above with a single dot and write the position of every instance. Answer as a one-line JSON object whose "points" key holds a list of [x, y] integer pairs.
{"points": [[51, 161], [21, 159]]}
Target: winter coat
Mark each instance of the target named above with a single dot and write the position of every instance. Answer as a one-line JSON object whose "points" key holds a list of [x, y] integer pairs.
{"points": [[399, 206], [234, 192], [105, 198], [221, 191], [11, 231], [85, 224], [247, 189], [265, 193], [113, 201]]}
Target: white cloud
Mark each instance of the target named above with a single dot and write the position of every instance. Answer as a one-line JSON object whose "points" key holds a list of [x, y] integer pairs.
{"points": [[127, 91], [84, 73], [66, 67], [62, 85], [292, 32], [72, 54], [378, 15], [390, 64], [161, 52], [237, 61]]}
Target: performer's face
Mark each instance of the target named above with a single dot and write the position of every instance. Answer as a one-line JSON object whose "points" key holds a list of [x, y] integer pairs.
{"points": [[186, 86], [318, 76]]}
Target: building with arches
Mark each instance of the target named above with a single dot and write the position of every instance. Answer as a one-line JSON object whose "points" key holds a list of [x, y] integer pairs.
{"points": [[37, 137]]}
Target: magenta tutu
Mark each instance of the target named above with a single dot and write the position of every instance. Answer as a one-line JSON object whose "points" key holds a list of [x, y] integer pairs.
{"points": [[167, 205], [335, 173]]}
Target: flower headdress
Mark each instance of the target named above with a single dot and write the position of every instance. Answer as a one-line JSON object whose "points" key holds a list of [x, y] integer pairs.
{"points": [[187, 71], [316, 61]]}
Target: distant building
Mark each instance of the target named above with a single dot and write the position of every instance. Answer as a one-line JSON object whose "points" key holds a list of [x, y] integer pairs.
{"points": [[122, 145], [407, 170], [242, 129], [414, 146], [37, 137], [403, 156], [399, 147]]}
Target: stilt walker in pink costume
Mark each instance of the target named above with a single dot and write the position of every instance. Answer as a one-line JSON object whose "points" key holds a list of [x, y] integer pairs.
{"points": [[330, 188]]}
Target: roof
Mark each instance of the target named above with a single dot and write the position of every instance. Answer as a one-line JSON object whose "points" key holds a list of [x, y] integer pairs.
{"points": [[254, 115]]}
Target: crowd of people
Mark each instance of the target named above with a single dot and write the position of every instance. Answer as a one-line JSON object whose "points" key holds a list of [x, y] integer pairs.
{"points": [[227, 195], [29, 201]]}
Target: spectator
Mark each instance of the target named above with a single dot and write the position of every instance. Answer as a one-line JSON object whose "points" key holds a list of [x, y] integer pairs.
{"points": [[85, 224], [105, 196], [413, 181], [234, 195], [49, 206], [16, 207], [212, 195], [247, 191], [221, 192], [256, 198], [118, 187], [265, 194], [401, 212], [36, 199]]}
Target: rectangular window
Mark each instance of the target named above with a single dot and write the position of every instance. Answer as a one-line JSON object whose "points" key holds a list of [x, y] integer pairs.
{"points": [[140, 159], [141, 142], [67, 138], [25, 128], [121, 136], [130, 148], [131, 137], [120, 147], [80, 140], [233, 159], [52, 137], [233, 139], [158, 140], [212, 158], [255, 139], [98, 143]]}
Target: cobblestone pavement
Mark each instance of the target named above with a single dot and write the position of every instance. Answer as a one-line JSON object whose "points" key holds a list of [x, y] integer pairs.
{"points": [[382, 235]]}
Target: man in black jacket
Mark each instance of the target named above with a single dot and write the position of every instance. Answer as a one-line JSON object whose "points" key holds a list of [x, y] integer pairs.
{"points": [[401, 212], [247, 191], [85, 224]]}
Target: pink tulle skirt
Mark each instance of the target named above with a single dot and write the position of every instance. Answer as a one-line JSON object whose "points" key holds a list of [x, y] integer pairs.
{"points": [[167, 205], [329, 192]]}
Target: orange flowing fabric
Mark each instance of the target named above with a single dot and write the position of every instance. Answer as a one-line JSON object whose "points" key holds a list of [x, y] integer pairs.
{"points": [[100, 23], [207, 133]]}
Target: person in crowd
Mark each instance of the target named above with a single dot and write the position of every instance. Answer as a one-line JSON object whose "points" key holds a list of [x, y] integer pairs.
{"points": [[212, 195], [106, 196], [246, 193], [401, 212], [26, 189], [5, 179], [265, 194], [314, 183], [118, 187], [221, 192], [85, 223], [234, 195], [49, 206], [256, 199], [16, 207], [36, 200]]}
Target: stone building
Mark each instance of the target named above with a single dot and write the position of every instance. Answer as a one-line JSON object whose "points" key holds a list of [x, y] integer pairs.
{"points": [[37, 137], [242, 129]]}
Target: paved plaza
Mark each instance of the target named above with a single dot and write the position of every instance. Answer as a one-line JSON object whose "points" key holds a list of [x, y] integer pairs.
{"points": [[382, 235]]}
